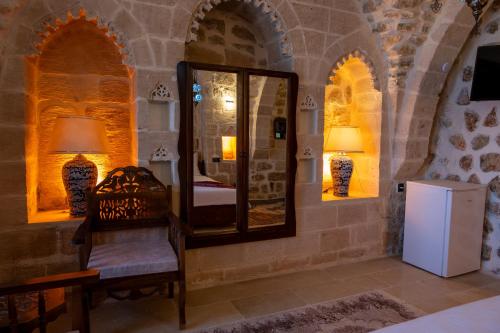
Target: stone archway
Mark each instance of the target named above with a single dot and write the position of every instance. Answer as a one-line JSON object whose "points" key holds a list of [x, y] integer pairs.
{"points": [[264, 12], [353, 98], [418, 104], [78, 71]]}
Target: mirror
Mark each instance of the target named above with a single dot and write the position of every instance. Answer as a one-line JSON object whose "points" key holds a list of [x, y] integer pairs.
{"points": [[237, 148], [214, 151], [267, 150]]}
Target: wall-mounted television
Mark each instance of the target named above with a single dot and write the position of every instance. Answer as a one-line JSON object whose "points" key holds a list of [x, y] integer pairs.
{"points": [[485, 83]]}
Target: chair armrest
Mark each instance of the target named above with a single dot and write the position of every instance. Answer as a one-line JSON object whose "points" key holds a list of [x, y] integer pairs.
{"points": [[51, 282]]}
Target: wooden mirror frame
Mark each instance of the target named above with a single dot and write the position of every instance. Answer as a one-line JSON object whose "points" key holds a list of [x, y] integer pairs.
{"points": [[185, 147]]}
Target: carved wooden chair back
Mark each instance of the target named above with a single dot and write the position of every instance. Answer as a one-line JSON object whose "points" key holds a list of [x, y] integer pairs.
{"points": [[129, 197]]}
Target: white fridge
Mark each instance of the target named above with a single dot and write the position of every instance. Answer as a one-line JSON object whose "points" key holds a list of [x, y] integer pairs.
{"points": [[444, 226]]}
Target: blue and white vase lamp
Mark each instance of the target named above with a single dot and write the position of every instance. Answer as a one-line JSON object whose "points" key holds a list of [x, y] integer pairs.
{"points": [[78, 135], [340, 141]]}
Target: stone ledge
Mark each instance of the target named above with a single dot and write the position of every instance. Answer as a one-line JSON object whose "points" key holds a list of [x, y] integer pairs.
{"points": [[54, 216], [329, 199]]}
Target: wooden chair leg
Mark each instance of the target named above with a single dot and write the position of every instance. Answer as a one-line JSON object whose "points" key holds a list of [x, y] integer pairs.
{"points": [[182, 305], [80, 310], [170, 290]]}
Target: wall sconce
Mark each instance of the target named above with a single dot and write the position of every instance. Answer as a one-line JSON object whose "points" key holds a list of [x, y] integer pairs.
{"points": [[340, 141], [78, 135], [229, 103], [229, 148]]}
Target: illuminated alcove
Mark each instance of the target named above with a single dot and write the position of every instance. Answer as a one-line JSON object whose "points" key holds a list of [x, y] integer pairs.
{"points": [[78, 71], [352, 99]]}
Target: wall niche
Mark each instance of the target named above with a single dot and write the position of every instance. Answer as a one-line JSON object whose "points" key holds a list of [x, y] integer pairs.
{"points": [[352, 98], [78, 71]]}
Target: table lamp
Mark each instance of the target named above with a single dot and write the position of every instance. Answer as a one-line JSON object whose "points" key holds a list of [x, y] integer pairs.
{"points": [[78, 135], [340, 141]]}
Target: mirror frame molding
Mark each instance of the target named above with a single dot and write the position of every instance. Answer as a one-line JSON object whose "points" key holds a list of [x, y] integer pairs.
{"points": [[242, 233]]}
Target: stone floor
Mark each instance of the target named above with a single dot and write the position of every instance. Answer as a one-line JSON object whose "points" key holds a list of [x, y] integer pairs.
{"points": [[224, 304]]}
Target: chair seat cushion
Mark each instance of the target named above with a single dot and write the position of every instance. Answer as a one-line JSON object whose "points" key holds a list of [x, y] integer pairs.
{"points": [[133, 258]]}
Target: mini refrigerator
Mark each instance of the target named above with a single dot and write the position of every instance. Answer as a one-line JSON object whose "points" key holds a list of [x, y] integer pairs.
{"points": [[444, 226]]}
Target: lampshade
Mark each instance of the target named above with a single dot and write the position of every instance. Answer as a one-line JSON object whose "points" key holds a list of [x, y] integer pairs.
{"points": [[78, 135], [344, 139]]}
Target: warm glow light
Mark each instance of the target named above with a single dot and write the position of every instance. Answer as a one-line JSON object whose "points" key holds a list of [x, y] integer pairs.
{"points": [[352, 100], [327, 175], [345, 139], [60, 90], [229, 148]]}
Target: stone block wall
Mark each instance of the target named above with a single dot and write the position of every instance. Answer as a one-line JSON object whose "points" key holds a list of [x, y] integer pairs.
{"points": [[466, 140], [307, 37], [268, 158], [226, 38]]}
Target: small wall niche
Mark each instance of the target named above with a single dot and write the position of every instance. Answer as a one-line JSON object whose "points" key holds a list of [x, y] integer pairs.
{"points": [[161, 108], [352, 99], [79, 71], [306, 171], [164, 165], [308, 116]]}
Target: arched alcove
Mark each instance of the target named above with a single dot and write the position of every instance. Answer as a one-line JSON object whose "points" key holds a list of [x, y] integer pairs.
{"points": [[78, 71], [352, 98], [247, 34]]}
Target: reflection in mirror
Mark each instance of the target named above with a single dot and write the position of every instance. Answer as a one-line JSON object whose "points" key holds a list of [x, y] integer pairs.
{"points": [[267, 151], [215, 155]]}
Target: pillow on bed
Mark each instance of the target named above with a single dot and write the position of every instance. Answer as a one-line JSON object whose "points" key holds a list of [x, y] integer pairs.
{"points": [[196, 170]]}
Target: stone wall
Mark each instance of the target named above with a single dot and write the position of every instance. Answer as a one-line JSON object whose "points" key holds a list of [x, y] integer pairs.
{"points": [[268, 158], [227, 38], [466, 141], [306, 36]]}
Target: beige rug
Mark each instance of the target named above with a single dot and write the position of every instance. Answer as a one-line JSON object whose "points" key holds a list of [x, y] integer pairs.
{"points": [[354, 314]]}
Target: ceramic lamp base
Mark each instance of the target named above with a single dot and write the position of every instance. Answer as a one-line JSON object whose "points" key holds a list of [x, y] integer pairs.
{"points": [[341, 167], [79, 176]]}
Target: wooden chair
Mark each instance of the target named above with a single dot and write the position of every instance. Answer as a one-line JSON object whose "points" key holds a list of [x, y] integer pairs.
{"points": [[131, 236], [33, 303]]}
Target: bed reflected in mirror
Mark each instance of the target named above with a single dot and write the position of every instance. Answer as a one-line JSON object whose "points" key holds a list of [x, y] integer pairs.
{"points": [[215, 151], [267, 151]]}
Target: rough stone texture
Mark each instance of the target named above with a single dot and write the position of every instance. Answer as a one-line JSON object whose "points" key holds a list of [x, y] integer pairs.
{"points": [[480, 141], [455, 178], [490, 162], [402, 27], [494, 186], [226, 39], [480, 152], [466, 162], [320, 32], [467, 73], [492, 27], [471, 119], [463, 97], [474, 179], [491, 119], [458, 141]]}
